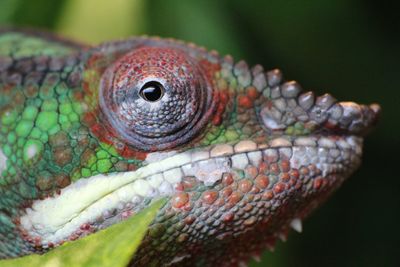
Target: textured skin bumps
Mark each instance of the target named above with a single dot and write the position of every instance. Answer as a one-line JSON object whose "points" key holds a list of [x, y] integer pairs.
{"points": [[241, 154], [33, 125]]}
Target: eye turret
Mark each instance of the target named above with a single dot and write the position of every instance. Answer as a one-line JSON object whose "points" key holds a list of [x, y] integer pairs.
{"points": [[155, 98]]}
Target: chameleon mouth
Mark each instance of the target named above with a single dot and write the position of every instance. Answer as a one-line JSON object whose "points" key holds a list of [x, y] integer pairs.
{"points": [[99, 201]]}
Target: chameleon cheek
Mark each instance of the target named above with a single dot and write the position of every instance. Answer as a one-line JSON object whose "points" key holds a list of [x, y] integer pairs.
{"points": [[156, 98]]}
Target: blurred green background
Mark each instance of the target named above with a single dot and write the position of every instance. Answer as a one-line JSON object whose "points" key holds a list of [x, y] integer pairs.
{"points": [[349, 48]]}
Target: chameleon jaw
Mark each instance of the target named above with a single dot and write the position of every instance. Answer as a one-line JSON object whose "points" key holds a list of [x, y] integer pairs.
{"points": [[96, 202]]}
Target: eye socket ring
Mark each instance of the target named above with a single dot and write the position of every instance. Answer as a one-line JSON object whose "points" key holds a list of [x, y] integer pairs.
{"points": [[158, 107], [152, 91]]}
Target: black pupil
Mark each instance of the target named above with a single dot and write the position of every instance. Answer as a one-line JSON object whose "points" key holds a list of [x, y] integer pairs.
{"points": [[152, 91]]}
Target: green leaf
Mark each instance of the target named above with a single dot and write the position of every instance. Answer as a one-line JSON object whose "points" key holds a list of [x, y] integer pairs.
{"points": [[113, 246]]}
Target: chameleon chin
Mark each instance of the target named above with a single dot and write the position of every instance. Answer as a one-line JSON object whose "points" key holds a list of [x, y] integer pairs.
{"points": [[91, 135]]}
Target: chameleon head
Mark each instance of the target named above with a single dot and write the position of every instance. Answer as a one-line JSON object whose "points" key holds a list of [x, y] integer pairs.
{"points": [[241, 154]]}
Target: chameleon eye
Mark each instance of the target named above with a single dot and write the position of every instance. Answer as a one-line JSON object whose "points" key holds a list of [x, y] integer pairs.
{"points": [[152, 91], [156, 98]]}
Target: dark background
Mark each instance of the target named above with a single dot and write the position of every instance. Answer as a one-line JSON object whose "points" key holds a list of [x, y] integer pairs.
{"points": [[347, 48]]}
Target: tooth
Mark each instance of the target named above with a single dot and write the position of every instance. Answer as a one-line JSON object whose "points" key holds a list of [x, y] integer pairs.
{"points": [[274, 77], [290, 89], [326, 142], [304, 141], [306, 100], [255, 157], [200, 155], [221, 150], [240, 161], [173, 176], [296, 225], [326, 101], [141, 187], [244, 146], [280, 142], [155, 180]]}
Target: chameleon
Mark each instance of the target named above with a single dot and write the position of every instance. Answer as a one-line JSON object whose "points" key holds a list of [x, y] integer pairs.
{"points": [[91, 135]]}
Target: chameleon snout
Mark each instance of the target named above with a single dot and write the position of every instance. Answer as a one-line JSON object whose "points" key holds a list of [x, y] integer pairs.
{"points": [[293, 111]]}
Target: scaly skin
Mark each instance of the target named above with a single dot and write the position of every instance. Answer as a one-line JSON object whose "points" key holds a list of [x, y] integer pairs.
{"points": [[240, 154]]}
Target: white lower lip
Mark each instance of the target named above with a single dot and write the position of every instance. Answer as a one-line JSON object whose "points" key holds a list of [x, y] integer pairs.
{"points": [[54, 219]]}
